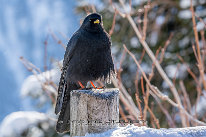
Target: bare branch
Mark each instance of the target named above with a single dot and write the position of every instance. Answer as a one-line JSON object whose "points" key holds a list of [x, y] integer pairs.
{"points": [[161, 95], [113, 23], [159, 68], [146, 8], [200, 64]]}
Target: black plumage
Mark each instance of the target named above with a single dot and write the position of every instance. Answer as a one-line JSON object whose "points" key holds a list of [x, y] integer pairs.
{"points": [[87, 58]]}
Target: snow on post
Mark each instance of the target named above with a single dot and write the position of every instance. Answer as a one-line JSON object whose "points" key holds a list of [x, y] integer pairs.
{"points": [[93, 111]]}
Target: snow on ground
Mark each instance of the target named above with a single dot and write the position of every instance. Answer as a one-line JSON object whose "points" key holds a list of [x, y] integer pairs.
{"points": [[17, 123], [134, 131]]}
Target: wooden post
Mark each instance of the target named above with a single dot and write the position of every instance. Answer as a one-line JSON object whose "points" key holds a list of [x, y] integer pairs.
{"points": [[93, 111]]}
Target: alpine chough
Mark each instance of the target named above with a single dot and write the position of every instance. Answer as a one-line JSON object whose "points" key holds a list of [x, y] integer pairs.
{"points": [[87, 58]]}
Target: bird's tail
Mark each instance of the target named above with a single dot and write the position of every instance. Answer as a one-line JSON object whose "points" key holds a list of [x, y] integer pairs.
{"points": [[63, 123], [61, 90]]}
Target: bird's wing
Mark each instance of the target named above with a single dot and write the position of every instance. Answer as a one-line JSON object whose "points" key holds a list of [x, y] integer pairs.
{"points": [[62, 83]]}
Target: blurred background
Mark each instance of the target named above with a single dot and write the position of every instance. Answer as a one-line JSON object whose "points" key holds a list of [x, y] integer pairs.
{"points": [[24, 27], [33, 36]]}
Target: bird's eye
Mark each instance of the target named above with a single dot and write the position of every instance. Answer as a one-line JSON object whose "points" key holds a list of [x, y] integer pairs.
{"points": [[91, 20]]}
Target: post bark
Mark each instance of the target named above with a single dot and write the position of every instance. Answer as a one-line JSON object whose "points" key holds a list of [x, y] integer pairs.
{"points": [[93, 111]]}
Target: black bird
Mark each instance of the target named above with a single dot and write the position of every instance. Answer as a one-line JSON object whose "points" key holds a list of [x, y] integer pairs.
{"points": [[87, 58]]}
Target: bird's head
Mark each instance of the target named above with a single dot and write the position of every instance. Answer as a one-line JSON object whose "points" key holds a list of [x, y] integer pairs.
{"points": [[93, 23]]}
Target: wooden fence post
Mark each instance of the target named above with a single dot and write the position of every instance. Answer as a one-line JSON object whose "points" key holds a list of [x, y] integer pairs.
{"points": [[93, 111]]}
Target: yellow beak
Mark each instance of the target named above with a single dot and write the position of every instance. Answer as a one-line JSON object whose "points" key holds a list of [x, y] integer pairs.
{"points": [[96, 21]]}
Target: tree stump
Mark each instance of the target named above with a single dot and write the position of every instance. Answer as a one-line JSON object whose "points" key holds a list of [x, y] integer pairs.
{"points": [[93, 111]]}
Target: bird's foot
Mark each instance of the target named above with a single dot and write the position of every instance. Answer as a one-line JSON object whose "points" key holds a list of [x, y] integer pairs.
{"points": [[103, 87], [93, 85], [81, 85]]}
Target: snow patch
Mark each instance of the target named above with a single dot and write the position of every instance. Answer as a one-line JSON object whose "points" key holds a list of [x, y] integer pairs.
{"points": [[185, 3], [134, 131], [32, 84], [16, 123], [185, 14], [134, 42], [38, 87]]}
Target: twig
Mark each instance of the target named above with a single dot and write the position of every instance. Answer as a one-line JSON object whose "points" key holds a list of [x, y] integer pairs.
{"points": [[201, 20], [57, 40], [119, 71], [155, 119], [29, 65], [200, 64], [202, 32], [122, 113], [142, 86], [188, 69], [146, 7], [120, 13], [86, 9], [186, 97], [139, 106], [194, 50], [146, 100], [175, 75], [165, 47], [45, 53], [170, 121], [93, 8], [113, 23], [137, 72], [64, 36], [126, 99]]}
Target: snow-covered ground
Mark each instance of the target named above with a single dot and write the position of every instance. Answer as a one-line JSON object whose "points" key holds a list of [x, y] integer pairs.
{"points": [[134, 131], [15, 124]]}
